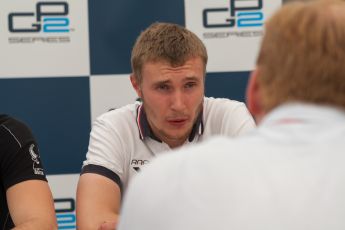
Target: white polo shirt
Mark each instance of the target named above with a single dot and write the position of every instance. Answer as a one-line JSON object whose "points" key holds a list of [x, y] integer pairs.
{"points": [[121, 141], [288, 174]]}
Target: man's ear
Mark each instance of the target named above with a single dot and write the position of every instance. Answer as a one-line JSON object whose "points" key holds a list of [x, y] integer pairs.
{"points": [[136, 85], [253, 95]]}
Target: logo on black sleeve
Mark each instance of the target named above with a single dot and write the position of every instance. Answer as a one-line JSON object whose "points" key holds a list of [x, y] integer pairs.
{"points": [[36, 166]]}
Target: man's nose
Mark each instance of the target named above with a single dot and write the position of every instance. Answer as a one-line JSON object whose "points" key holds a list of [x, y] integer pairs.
{"points": [[178, 101]]}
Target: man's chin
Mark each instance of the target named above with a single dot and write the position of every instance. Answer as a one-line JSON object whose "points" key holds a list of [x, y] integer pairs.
{"points": [[176, 136]]}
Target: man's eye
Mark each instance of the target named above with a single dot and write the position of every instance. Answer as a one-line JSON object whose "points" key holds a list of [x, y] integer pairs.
{"points": [[190, 85], [163, 87]]}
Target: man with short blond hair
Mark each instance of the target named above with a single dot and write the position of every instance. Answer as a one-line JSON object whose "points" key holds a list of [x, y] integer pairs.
{"points": [[169, 68], [289, 173]]}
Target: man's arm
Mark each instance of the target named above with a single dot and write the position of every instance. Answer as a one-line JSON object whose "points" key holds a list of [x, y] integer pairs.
{"points": [[31, 205], [98, 201]]}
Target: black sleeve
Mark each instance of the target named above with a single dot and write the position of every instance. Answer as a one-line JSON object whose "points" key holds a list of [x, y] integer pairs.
{"points": [[19, 154], [100, 170]]}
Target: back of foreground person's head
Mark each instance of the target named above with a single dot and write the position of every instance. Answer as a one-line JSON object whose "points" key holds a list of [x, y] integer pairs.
{"points": [[302, 56], [167, 42]]}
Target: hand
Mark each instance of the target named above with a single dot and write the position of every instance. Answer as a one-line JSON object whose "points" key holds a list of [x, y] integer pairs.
{"points": [[108, 225]]}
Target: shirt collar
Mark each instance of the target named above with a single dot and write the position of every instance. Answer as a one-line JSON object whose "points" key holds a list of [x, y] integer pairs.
{"points": [[146, 131], [299, 112]]}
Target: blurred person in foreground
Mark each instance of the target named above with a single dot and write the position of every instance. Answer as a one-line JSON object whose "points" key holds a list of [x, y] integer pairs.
{"points": [[289, 173], [169, 70], [26, 201]]}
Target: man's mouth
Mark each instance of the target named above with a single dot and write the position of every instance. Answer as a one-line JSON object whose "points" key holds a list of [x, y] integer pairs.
{"points": [[177, 121]]}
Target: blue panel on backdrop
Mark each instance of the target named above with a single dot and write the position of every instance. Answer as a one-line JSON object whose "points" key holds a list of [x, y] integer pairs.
{"points": [[114, 26], [58, 111], [230, 85]]}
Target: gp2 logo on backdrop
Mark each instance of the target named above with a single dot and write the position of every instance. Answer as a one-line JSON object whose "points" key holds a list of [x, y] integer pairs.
{"points": [[65, 213], [247, 15], [45, 20]]}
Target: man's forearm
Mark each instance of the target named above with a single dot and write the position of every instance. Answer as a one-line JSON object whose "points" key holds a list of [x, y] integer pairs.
{"points": [[35, 224]]}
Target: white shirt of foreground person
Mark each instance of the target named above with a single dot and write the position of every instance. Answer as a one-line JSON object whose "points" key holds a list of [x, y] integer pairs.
{"points": [[288, 174]]}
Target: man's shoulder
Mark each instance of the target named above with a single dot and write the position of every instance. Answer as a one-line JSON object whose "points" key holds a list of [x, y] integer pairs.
{"points": [[226, 117], [121, 122], [211, 103], [12, 128]]}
